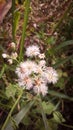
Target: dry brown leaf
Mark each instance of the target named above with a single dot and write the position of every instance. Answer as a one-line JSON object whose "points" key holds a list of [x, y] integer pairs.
{"points": [[4, 8]]}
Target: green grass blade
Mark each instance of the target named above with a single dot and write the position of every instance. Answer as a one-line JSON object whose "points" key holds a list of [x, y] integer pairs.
{"points": [[62, 61], [2, 71], [17, 118], [16, 21], [64, 44], [43, 114], [26, 12], [59, 95]]}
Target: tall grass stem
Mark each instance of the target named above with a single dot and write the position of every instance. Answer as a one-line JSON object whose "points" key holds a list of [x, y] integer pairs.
{"points": [[26, 15], [13, 10]]}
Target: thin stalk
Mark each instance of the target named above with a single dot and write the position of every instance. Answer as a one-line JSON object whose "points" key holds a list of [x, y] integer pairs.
{"points": [[26, 12], [13, 10], [10, 113], [2, 71], [69, 126], [43, 114]]}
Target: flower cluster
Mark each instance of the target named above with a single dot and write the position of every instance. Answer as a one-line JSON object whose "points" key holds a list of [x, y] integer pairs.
{"points": [[12, 56], [34, 74]]}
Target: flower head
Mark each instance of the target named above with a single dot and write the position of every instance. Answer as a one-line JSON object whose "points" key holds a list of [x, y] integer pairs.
{"points": [[26, 82], [32, 51], [51, 75], [42, 89], [40, 86], [26, 68]]}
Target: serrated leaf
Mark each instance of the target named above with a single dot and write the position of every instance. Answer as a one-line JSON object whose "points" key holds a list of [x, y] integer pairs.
{"points": [[58, 117]]}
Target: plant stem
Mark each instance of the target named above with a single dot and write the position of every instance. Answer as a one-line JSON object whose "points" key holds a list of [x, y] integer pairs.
{"points": [[43, 114], [13, 10], [69, 126], [27, 7], [10, 113], [2, 71]]}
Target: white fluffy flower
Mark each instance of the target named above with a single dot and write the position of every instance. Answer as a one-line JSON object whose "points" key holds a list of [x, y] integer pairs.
{"points": [[26, 82], [41, 89], [40, 86], [32, 51], [26, 68], [51, 75], [42, 63]]}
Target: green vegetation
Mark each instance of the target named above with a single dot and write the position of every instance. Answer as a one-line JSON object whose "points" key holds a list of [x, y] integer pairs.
{"points": [[29, 23]]}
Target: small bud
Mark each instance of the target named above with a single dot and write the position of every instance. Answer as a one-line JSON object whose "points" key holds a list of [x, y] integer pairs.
{"points": [[10, 61], [12, 44], [14, 55], [41, 56], [4, 55]]}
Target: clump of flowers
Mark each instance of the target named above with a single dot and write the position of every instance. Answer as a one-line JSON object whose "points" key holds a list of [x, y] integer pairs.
{"points": [[11, 57], [33, 74], [13, 54]]}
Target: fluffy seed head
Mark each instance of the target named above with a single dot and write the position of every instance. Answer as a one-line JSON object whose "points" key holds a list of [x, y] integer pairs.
{"points": [[51, 75], [32, 51]]}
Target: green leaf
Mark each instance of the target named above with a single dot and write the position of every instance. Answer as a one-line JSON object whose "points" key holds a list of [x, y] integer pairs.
{"points": [[48, 107], [26, 120], [53, 125], [64, 44], [62, 61], [3, 95], [18, 117], [61, 83], [11, 90], [56, 49], [58, 117], [59, 95]]}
